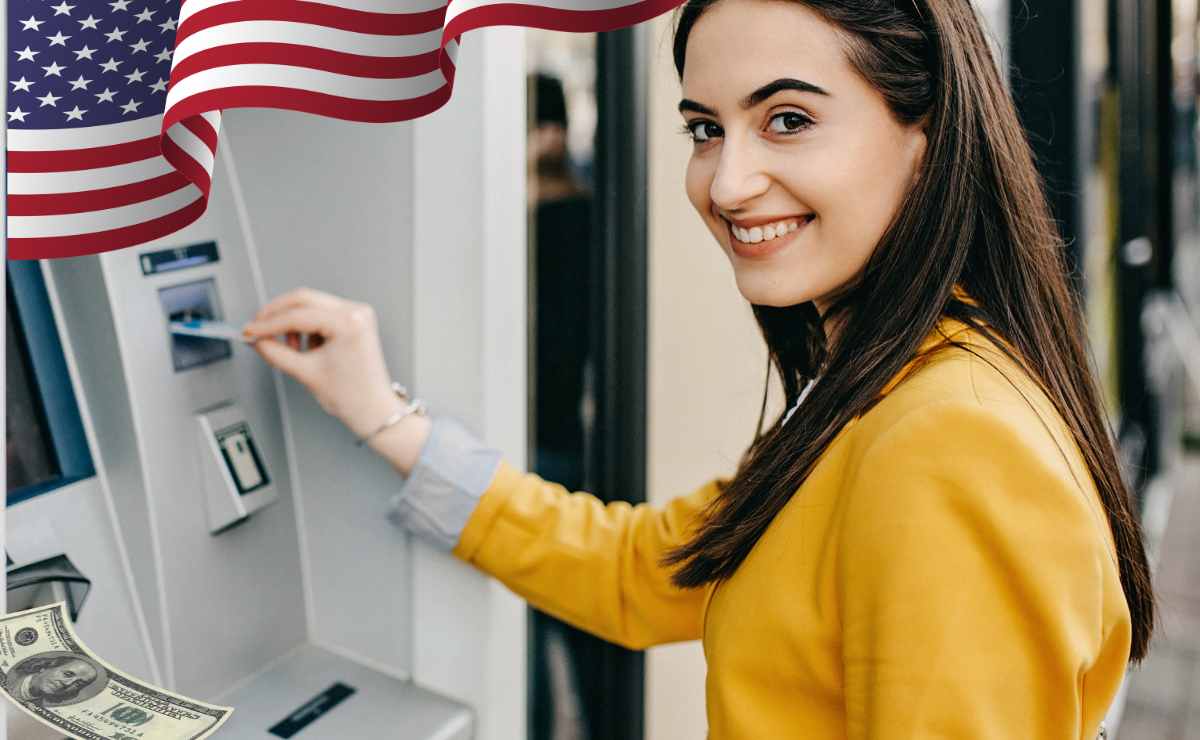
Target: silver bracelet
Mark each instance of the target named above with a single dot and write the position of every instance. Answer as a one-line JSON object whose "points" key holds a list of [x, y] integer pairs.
{"points": [[415, 406]]}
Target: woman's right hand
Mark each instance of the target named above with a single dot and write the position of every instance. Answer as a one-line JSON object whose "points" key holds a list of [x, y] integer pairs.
{"points": [[343, 366]]}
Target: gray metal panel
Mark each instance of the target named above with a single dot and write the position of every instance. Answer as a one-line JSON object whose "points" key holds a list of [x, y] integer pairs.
{"points": [[380, 707], [87, 332], [342, 224], [220, 607]]}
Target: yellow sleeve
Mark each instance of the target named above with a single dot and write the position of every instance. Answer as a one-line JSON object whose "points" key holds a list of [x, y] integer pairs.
{"points": [[971, 576], [591, 564]]}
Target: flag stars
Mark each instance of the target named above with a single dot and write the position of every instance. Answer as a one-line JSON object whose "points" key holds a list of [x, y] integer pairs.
{"points": [[31, 24], [49, 99], [91, 22], [115, 35], [130, 107], [75, 114], [119, 5], [111, 65], [27, 54], [53, 70], [145, 15], [167, 25], [163, 56], [159, 86], [135, 76], [139, 45], [21, 85], [105, 97], [79, 83], [62, 8], [58, 39], [85, 53], [17, 115]]}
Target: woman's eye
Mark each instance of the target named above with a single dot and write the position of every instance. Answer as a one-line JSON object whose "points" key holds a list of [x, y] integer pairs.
{"points": [[701, 131], [791, 122]]}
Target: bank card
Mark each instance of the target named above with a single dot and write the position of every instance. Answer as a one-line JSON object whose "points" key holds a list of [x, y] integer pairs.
{"points": [[210, 329]]}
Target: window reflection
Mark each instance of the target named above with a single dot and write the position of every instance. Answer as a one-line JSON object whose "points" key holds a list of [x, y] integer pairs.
{"points": [[562, 123]]}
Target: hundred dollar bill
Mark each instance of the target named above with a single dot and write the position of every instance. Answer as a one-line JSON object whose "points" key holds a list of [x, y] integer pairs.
{"points": [[50, 674]]}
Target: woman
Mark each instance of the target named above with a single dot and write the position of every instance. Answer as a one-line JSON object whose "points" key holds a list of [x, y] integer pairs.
{"points": [[939, 543]]}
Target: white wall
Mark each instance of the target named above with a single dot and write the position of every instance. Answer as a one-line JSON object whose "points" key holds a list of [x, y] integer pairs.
{"points": [[707, 365]]}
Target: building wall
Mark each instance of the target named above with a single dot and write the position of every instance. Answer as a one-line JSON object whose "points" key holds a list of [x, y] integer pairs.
{"points": [[707, 364]]}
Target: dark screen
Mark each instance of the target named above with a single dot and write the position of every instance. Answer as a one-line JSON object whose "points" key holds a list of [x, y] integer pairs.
{"points": [[31, 458]]}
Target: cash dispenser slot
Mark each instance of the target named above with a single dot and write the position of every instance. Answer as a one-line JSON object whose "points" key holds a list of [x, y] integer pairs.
{"points": [[187, 302], [46, 581]]}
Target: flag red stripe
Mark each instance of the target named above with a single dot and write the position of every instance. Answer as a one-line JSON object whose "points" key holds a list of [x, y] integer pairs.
{"points": [[554, 19], [94, 200], [190, 168], [54, 247], [331, 106], [203, 131], [299, 55], [66, 160], [299, 11]]}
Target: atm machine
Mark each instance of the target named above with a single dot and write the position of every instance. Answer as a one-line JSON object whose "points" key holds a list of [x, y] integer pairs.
{"points": [[234, 536]]}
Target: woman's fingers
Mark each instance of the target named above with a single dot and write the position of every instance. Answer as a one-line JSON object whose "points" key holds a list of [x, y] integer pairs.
{"points": [[286, 358], [297, 298], [303, 319]]}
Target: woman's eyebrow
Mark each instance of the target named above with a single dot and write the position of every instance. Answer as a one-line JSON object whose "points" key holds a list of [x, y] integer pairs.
{"points": [[758, 96]]}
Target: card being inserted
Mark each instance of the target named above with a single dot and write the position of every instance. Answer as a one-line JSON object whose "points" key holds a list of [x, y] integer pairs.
{"points": [[210, 329]]}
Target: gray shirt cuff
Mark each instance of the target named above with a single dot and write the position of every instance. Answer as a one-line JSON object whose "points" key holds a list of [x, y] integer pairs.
{"points": [[451, 474]]}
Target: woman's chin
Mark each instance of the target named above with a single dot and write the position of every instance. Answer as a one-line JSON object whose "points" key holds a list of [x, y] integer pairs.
{"points": [[761, 292]]}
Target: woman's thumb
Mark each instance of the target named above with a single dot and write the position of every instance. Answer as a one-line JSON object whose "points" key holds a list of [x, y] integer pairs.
{"points": [[278, 354]]}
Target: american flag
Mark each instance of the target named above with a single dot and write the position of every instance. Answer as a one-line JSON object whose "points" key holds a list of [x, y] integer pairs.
{"points": [[114, 107]]}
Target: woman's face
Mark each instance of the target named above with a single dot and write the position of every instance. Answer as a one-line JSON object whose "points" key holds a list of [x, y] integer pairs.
{"points": [[787, 132]]}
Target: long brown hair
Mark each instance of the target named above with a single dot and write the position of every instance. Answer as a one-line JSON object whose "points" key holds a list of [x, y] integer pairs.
{"points": [[992, 233]]}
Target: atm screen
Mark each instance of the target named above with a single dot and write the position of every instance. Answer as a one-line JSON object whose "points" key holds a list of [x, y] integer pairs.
{"points": [[241, 457]]}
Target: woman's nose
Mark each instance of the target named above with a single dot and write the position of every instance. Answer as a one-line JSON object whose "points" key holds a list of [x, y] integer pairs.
{"points": [[739, 177]]}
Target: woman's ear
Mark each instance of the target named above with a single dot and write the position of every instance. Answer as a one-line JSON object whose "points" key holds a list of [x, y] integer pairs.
{"points": [[918, 143]]}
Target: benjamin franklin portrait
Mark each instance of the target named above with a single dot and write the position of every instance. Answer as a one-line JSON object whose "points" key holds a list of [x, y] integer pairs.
{"points": [[55, 679]]}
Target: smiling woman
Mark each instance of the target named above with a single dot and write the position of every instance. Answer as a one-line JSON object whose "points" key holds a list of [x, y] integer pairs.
{"points": [[936, 540], [818, 151]]}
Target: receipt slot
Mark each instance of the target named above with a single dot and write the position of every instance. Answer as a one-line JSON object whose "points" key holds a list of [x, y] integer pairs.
{"points": [[236, 483]]}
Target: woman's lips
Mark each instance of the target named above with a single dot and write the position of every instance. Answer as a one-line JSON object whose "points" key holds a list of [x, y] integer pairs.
{"points": [[766, 247]]}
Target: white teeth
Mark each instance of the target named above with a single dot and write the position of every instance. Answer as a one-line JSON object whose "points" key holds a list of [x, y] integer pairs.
{"points": [[764, 233]]}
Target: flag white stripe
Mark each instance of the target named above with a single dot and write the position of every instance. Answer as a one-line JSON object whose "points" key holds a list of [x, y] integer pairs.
{"points": [[300, 78], [307, 34], [51, 139], [452, 51], [390, 7], [192, 146], [214, 119], [71, 224], [41, 183], [458, 7]]}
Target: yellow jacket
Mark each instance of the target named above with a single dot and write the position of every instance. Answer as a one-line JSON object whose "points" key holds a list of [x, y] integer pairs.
{"points": [[946, 571]]}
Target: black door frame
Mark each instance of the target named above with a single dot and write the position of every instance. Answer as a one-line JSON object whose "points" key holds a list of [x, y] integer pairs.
{"points": [[616, 465], [611, 679]]}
